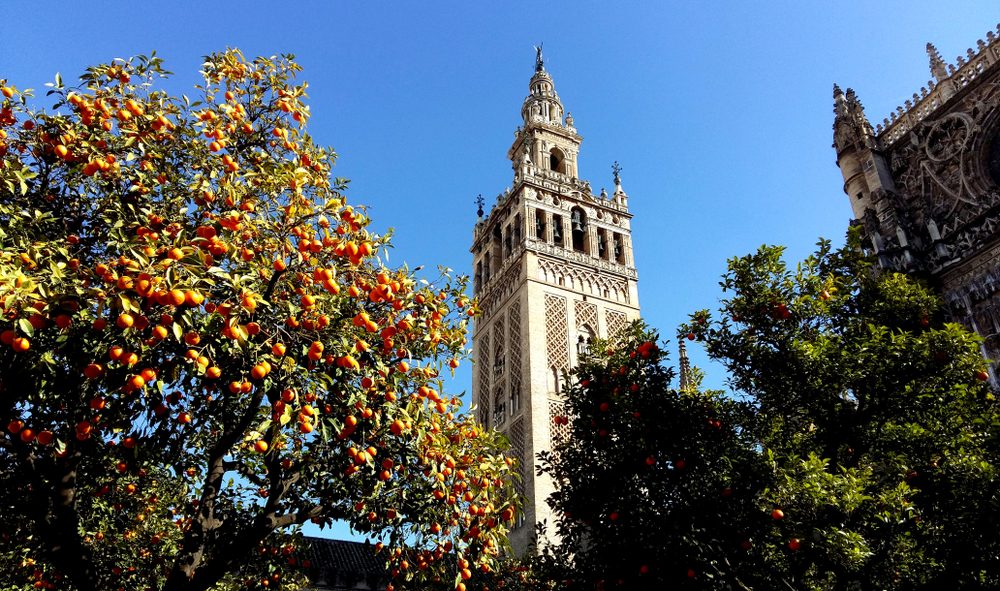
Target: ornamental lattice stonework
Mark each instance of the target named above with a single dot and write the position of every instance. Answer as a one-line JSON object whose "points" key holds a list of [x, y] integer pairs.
{"points": [[482, 356], [517, 449], [515, 369], [586, 315], [558, 433], [499, 349], [556, 332], [616, 321], [925, 184]]}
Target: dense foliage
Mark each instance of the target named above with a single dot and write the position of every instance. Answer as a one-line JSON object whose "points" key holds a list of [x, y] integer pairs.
{"points": [[861, 451], [203, 347]]}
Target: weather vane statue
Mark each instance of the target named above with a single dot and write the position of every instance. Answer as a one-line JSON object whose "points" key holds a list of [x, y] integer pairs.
{"points": [[479, 202], [617, 169], [539, 63]]}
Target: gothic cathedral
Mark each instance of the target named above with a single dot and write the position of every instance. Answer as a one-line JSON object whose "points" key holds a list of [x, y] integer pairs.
{"points": [[553, 269], [925, 185]]}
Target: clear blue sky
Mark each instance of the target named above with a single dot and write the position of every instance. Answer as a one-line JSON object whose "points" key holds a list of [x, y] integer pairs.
{"points": [[719, 112]]}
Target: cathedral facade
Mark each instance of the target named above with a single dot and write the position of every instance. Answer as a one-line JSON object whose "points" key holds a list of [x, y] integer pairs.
{"points": [[553, 269], [924, 184]]}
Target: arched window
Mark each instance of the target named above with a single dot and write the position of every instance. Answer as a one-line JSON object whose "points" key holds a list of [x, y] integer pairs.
{"points": [[539, 224], [578, 220], [554, 380], [557, 160], [499, 408], [515, 398]]}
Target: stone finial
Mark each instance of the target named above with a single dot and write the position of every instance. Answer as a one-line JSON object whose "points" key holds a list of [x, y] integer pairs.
{"points": [[479, 203], [938, 69], [687, 380], [839, 102]]}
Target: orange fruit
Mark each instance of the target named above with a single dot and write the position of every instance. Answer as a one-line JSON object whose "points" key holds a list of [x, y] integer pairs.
{"points": [[194, 298], [21, 344], [260, 446], [125, 320]]}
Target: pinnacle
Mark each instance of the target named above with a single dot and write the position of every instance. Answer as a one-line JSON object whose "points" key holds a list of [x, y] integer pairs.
{"points": [[836, 90]]}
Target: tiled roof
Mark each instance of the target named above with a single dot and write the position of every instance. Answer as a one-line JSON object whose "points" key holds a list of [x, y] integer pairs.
{"points": [[345, 557]]}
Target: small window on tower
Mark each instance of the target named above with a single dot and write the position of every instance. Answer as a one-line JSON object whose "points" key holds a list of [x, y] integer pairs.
{"points": [[860, 196], [539, 224]]}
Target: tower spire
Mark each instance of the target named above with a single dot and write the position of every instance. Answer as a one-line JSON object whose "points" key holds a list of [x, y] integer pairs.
{"points": [[687, 380], [938, 68], [539, 62]]}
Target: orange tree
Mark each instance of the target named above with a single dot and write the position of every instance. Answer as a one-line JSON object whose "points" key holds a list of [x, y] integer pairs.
{"points": [[202, 347], [652, 481], [860, 451]]}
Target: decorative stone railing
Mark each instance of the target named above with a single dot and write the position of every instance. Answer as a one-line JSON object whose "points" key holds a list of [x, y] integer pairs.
{"points": [[903, 120], [573, 256]]}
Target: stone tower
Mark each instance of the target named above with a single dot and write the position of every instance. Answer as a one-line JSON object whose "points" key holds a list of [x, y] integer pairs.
{"points": [[925, 184], [553, 269]]}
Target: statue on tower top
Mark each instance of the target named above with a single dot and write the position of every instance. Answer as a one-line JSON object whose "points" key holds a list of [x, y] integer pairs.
{"points": [[539, 63]]}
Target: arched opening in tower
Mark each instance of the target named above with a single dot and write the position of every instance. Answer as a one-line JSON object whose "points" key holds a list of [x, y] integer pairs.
{"points": [[557, 161], [579, 223]]}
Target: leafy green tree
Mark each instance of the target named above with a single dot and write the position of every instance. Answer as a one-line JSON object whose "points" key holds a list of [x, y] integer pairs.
{"points": [[859, 450], [874, 416], [203, 348], [650, 481]]}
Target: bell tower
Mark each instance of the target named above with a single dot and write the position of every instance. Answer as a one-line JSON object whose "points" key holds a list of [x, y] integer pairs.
{"points": [[553, 269]]}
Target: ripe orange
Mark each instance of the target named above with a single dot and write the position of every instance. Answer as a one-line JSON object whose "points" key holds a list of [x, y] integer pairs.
{"points": [[194, 298], [21, 344], [15, 426], [28, 435], [184, 418], [7, 337], [213, 372], [45, 437], [777, 514], [125, 320], [93, 371]]}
